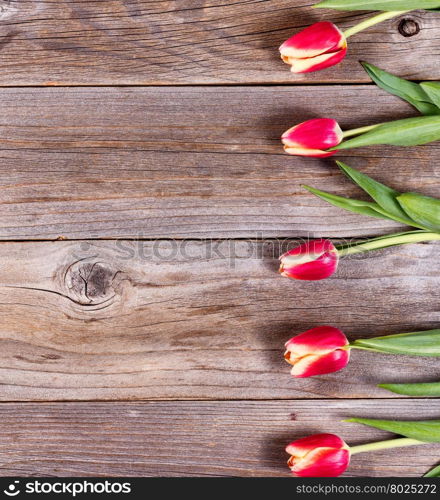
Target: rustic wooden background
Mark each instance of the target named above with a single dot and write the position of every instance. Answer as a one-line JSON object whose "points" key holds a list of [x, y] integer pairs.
{"points": [[144, 200]]}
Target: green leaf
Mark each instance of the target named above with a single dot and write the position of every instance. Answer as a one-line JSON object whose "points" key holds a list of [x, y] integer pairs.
{"points": [[360, 207], [435, 472], [432, 90], [407, 132], [378, 4], [409, 91], [426, 389], [422, 430], [412, 209], [422, 209], [383, 195], [426, 343], [357, 206]]}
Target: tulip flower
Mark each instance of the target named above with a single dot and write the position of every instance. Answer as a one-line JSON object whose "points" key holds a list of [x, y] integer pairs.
{"points": [[323, 137], [327, 455], [318, 259], [325, 349], [312, 137], [319, 137], [313, 260], [320, 455], [317, 47], [323, 44], [317, 351]]}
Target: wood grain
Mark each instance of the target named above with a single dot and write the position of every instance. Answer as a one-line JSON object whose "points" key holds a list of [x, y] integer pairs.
{"points": [[188, 162], [116, 154], [242, 438], [202, 320], [140, 42]]}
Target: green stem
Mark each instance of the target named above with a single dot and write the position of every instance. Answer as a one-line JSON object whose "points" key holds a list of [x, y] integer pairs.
{"points": [[383, 16], [359, 131], [383, 445], [388, 241]]}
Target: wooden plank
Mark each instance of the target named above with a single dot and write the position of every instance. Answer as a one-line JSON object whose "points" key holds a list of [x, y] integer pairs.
{"points": [[71, 42], [243, 438], [199, 320], [188, 162]]}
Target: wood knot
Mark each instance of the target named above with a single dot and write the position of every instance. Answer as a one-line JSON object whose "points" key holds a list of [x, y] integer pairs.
{"points": [[408, 27], [92, 282], [7, 9]]}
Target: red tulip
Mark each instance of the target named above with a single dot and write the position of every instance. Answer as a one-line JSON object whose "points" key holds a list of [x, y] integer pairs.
{"points": [[317, 47], [320, 455], [317, 351], [312, 138], [313, 260]]}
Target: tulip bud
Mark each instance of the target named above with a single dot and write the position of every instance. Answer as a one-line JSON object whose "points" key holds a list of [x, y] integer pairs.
{"points": [[312, 137], [319, 455], [317, 351], [317, 47], [313, 260]]}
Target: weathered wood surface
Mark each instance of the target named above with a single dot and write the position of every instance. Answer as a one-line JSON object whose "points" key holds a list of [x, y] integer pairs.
{"points": [[188, 162], [102, 42], [129, 320], [243, 438], [113, 321]]}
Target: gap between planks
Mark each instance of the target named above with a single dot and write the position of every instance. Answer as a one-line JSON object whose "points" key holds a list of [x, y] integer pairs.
{"points": [[200, 85]]}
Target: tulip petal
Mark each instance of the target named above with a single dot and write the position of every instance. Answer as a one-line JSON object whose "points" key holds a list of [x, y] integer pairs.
{"points": [[317, 247], [315, 153], [302, 446], [318, 340], [316, 63], [311, 365], [315, 40], [322, 462], [321, 269], [313, 260], [318, 133]]}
